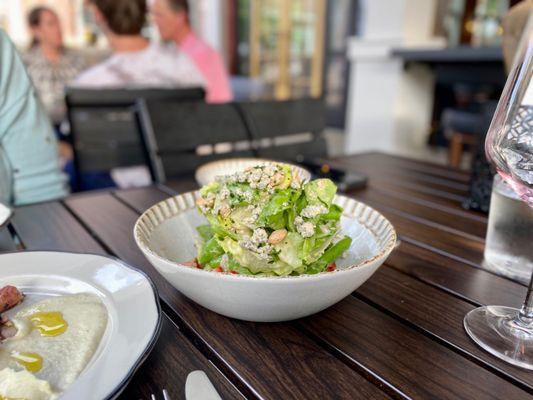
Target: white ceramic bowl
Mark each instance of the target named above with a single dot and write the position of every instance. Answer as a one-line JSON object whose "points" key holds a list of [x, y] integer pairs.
{"points": [[166, 235], [208, 172]]}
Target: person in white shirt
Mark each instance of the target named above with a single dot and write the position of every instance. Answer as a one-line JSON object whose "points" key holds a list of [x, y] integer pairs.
{"points": [[135, 61]]}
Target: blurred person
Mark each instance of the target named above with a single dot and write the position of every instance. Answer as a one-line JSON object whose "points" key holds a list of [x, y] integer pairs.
{"points": [[135, 61], [50, 65], [172, 20], [29, 163]]}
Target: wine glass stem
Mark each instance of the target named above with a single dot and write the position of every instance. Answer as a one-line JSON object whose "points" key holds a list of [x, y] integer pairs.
{"points": [[525, 316]]}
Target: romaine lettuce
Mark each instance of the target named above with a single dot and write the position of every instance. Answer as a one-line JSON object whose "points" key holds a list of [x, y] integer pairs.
{"points": [[263, 221]]}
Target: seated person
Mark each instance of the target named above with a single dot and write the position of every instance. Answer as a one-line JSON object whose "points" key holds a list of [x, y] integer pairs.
{"points": [[135, 62], [29, 163], [172, 20], [50, 65]]}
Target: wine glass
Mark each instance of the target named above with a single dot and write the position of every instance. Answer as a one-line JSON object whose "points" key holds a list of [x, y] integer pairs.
{"points": [[507, 332]]}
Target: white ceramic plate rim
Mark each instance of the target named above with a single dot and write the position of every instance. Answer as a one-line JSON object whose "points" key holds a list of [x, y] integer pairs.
{"points": [[121, 386], [226, 276]]}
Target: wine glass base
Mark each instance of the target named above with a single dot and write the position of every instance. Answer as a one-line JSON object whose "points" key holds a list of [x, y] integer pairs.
{"points": [[496, 330]]}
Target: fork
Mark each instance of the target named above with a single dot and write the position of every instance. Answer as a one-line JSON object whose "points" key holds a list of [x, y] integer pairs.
{"points": [[165, 396]]}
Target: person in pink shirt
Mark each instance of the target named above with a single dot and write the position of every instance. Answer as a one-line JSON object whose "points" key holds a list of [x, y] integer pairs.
{"points": [[172, 20]]}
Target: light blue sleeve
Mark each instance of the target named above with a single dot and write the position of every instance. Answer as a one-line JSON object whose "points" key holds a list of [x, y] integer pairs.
{"points": [[29, 162]]}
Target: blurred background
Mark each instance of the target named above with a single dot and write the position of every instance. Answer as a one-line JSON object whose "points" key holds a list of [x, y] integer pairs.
{"points": [[407, 77]]}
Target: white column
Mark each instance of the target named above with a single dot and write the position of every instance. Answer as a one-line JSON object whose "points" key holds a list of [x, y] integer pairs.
{"points": [[374, 80], [389, 108], [382, 19], [208, 21], [374, 77]]}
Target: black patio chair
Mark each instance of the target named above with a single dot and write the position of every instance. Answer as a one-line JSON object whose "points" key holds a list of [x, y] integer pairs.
{"points": [[103, 129], [181, 136], [287, 130]]}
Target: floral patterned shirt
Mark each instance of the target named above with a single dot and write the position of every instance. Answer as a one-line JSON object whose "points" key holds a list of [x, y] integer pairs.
{"points": [[50, 79]]}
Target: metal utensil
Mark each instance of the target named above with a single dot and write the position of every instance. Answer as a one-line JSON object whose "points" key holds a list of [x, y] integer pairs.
{"points": [[199, 387]]}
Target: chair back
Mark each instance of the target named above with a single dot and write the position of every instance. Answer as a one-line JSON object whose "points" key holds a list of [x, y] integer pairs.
{"points": [[287, 130], [180, 136], [104, 132]]}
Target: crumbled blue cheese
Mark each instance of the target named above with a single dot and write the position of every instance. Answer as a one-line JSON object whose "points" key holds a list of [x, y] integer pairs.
{"points": [[259, 236], [264, 252], [254, 214], [241, 177], [224, 193], [306, 229], [244, 194], [313, 210], [270, 170], [264, 182], [257, 243], [261, 177]]}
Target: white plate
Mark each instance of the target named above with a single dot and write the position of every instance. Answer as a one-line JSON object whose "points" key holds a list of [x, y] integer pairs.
{"points": [[134, 315], [208, 172], [5, 215], [166, 234]]}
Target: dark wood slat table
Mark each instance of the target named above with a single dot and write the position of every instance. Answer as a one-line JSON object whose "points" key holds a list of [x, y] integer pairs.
{"points": [[399, 336]]}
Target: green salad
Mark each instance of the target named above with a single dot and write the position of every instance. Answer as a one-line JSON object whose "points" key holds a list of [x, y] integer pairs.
{"points": [[265, 221]]}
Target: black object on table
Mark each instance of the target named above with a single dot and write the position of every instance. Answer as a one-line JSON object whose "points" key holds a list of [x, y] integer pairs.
{"points": [[346, 179]]}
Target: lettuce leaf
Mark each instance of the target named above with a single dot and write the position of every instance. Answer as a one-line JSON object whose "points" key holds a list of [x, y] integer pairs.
{"points": [[209, 251], [330, 255], [320, 191], [205, 232], [218, 227], [289, 250], [334, 214], [280, 201], [252, 262], [320, 246], [210, 188]]}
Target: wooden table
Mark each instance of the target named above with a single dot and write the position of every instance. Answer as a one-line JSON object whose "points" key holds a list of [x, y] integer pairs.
{"points": [[399, 336]]}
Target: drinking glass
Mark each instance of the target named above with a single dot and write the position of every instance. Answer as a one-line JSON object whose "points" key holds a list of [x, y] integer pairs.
{"points": [[507, 332]]}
